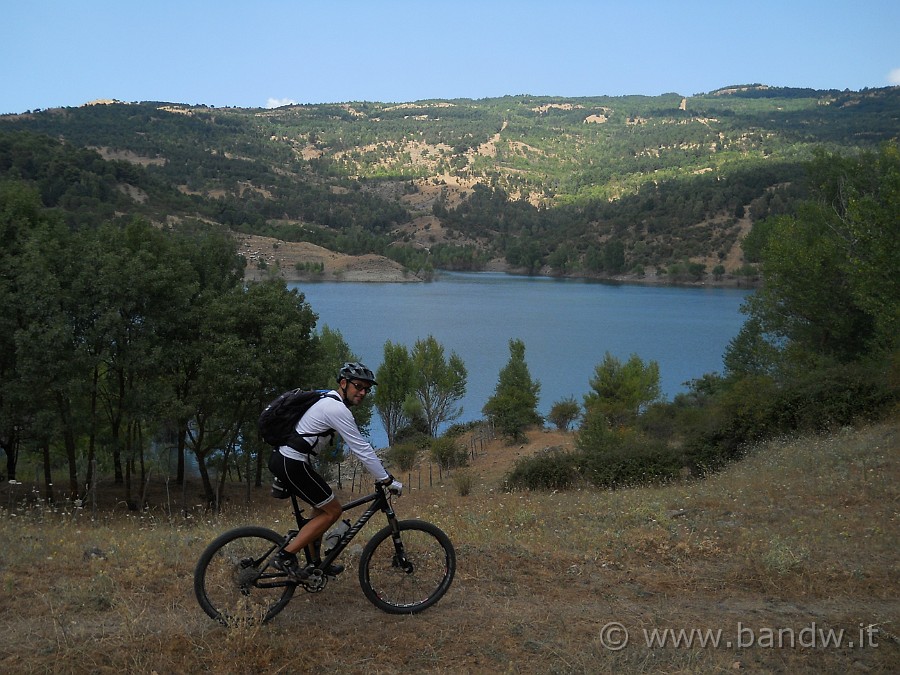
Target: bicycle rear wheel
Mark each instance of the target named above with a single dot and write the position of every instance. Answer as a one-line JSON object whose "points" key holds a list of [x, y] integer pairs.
{"points": [[233, 581], [410, 572]]}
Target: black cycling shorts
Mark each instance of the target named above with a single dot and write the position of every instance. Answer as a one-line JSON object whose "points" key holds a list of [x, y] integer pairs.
{"points": [[300, 478]]}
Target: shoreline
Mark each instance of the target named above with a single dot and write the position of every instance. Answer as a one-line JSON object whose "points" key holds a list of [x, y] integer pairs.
{"points": [[304, 262], [375, 277]]}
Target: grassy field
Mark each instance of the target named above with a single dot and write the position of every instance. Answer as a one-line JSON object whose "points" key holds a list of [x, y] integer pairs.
{"points": [[763, 568]]}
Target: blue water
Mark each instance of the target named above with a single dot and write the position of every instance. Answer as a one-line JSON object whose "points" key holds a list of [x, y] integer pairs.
{"points": [[567, 327]]}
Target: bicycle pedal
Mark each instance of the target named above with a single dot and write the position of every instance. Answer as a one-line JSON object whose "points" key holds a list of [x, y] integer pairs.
{"points": [[333, 569]]}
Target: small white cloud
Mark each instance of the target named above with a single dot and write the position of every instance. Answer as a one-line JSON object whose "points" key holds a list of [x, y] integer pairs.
{"points": [[278, 102], [894, 76]]}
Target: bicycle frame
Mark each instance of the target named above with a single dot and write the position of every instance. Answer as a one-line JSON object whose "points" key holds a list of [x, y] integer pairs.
{"points": [[380, 500]]}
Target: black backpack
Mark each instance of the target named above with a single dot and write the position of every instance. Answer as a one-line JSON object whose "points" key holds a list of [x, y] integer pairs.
{"points": [[278, 421]]}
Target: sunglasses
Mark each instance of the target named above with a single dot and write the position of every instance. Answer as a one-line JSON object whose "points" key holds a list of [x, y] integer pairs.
{"points": [[362, 387]]}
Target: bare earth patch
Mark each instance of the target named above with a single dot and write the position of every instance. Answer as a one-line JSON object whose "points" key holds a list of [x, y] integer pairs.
{"points": [[266, 256]]}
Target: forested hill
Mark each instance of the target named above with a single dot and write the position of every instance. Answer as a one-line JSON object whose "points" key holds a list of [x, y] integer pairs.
{"points": [[598, 186]]}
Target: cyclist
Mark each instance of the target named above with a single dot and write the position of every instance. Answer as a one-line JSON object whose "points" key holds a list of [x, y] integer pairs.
{"points": [[294, 468]]}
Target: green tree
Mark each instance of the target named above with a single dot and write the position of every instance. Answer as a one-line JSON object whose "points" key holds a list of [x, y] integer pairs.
{"points": [[211, 255], [614, 256], [513, 407], [805, 300], [831, 269], [256, 340], [396, 381], [595, 433], [20, 217], [593, 260], [47, 380], [620, 391], [864, 199], [750, 352], [441, 383], [143, 284]]}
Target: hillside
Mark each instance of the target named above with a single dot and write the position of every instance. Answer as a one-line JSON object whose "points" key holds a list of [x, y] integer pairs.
{"points": [[784, 562], [658, 187]]}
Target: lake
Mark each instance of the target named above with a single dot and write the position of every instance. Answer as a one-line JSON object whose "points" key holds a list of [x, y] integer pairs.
{"points": [[567, 327]]}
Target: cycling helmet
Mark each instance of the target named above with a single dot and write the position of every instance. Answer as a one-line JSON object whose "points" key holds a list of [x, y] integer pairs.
{"points": [[356, 371]]}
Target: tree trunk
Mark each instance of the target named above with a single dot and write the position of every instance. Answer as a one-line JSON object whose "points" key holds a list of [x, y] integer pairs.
{"points": [[48, 476], [140, 444], [208, 491], [72, 460], [64, 406], [92, 430], [259, 468], [247, 470], [224, 475], [117, 454], [116, 430], [12, 455], [128, 499], [182, 436]]}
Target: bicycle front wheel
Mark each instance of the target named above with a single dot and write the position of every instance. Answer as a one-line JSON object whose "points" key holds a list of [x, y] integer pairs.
{"points": [[233, 581], [409, 572]]}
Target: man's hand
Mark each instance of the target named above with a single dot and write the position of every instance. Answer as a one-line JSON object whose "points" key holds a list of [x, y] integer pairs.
{"points": [[393, 485]]}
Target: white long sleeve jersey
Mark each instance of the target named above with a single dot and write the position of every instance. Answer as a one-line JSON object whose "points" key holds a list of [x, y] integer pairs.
{"points": [[328, 414]]}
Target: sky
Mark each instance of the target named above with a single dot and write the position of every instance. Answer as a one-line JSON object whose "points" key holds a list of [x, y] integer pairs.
{"points": [[265, 53]]}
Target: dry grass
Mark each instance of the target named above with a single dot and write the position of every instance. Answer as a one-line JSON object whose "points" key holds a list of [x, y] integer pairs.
{"points": [[801, 536]]}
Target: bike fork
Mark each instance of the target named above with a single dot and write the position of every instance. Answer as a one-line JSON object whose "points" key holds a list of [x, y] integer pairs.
{"points": [[400, 559]]}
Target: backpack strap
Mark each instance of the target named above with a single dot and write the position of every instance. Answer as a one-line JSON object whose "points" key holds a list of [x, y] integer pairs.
{"points": [[299, 443]]}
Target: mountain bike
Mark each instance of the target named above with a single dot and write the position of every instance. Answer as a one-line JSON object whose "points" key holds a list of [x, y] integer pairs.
{"points": [[405, 568]]}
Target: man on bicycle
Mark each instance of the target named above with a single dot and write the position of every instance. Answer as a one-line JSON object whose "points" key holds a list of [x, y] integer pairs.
{"points": [[295, 470]]}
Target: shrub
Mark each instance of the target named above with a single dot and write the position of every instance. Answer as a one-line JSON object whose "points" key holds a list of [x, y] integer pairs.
{"points": [[740, 415], [621, 459], [449, 453], [462, 481], [629, 458], [660, 420], [550, 470], [830, 398], [403, 456], [564, 413], [718, 423], [756, 407], [462, 428]]}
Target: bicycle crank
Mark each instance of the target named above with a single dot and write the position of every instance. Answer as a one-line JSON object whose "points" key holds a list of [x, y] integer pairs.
{"points": [[316, 581]]}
